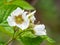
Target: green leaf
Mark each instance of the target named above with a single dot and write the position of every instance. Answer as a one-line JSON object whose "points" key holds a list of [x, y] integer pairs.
{"points": [[5, 11], [1, 2], [1, 43], [48, 39], [28, 38], [9, 9], [4, 25], [23, 4], [7, 30], [31, 41], [27, 34], [3, 37], [12, 0], [2, 10]]}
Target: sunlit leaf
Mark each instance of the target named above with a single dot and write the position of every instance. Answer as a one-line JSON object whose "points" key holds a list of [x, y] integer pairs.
{"points": [[27, 38], [5, 11], [28, 34], [23, 4]]}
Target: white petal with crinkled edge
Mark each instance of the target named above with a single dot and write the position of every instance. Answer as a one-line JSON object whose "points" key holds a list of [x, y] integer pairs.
{"points": [[17, 12], [39, 33], [39, 27], [40, 30], [10, 20]]}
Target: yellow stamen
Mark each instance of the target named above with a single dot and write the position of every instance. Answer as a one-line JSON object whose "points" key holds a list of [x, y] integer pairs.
{"points": [[19, 19]]}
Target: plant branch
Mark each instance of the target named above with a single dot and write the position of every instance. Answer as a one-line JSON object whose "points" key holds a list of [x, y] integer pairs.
{"points": [[13, 38]]}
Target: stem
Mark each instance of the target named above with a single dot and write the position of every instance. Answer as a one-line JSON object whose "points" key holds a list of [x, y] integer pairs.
{"points": [[9, 41], [13, 38]]}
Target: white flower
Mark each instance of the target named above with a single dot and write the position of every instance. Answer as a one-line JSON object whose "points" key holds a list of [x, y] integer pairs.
{"points": [[31, 16], [40, 30], [18, 18]]}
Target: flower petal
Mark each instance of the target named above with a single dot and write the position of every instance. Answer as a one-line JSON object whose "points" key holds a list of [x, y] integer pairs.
{"points": [[40, 29], [17, 12], [32, 13], [11, 21], [39, 33]]}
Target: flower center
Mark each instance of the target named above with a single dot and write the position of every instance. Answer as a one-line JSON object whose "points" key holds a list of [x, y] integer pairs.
{"points": [[19, 19]]}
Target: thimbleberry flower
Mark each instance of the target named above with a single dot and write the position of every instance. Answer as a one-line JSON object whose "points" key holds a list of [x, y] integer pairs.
{"points": [[18, 18], [40, 30]]}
